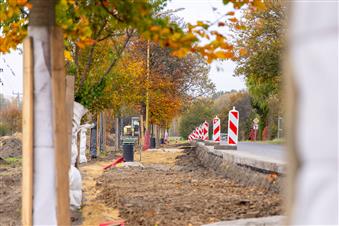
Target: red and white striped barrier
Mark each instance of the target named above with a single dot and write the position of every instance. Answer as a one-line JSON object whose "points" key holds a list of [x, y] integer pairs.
{"points": [[205, 130], [195, 134], [233, 125], [201, 135], [216, 129]]}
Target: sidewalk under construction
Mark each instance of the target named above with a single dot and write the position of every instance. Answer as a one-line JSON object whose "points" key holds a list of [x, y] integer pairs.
{"points": [[170, 186]]}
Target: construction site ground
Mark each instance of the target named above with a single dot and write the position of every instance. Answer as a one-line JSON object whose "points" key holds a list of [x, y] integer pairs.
{"points": [[169, 187]]}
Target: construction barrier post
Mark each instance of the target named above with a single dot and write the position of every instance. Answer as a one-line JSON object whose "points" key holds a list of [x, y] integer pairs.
{"points": [[216, 129], [205, 130], [233, 125]]}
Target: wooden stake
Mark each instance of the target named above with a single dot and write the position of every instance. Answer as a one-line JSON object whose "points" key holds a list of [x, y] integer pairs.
{"points": [[98, 133], [104, 118], [69, 108], [27, 134], [141, 130], [60, 127]]}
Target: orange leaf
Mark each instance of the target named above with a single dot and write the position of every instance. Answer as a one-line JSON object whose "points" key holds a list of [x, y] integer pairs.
{"points": [[80, 44], [243, 52], [223, 55], [21, 2], [221, 24], [233, 19], [28, 5], [230, 13]]}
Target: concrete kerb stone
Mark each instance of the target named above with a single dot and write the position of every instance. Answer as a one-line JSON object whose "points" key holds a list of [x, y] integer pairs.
{"points": [[250, 160], [262, 221], [219, 146], [236, 167]]}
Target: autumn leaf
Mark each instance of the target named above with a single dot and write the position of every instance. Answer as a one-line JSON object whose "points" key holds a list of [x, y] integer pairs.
{"points": [[243, 52], [68, 55], [223, 55], [221, 24], [233, 19]]}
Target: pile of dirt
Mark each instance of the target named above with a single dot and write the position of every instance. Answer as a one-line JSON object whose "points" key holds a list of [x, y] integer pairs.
{"points": [[185, 193], [10, 146], [10, 195]]}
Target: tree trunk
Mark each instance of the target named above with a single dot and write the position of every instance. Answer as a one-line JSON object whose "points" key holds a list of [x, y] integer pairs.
{"points": [[102, 132], [157, 140], [93, 140], [117, 135], [141, 130], [51, 154]]}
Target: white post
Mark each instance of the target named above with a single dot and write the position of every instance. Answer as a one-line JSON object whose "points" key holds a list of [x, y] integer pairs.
{"points": [[233, 127]]}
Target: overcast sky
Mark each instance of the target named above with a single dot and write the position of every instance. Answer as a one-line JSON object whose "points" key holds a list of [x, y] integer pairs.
{"points": [[210, 10], [193, 10]]}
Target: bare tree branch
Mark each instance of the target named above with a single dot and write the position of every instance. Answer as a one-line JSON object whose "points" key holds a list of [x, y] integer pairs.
{"points": [[129, 34]]}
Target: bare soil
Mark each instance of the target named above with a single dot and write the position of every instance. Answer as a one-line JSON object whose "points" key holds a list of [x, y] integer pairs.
{"points": [[10, 195], [10, 146], [175, 189]]}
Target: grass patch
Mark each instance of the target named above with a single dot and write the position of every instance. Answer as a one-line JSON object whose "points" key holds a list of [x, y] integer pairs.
{"points": [[13, 161]]}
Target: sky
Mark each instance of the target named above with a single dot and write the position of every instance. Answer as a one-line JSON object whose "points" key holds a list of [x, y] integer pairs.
{"points": [[11, 73], [192, 10]]}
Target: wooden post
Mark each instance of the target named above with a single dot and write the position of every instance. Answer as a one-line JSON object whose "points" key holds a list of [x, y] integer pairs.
{"points": [[69, 108], [98, 133], [27, 135], [104, 118], [60, 127], [117, 135], [141, 128]]}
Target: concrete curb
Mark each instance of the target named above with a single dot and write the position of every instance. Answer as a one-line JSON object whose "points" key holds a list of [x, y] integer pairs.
{"points": [[262, 221], [245, 169]]}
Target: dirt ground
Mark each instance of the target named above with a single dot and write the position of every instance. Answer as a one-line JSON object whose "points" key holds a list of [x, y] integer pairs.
{"points": [[171, 189], [174, 189], [10, 180], [94, 212], [10, 195], [10, 146]]}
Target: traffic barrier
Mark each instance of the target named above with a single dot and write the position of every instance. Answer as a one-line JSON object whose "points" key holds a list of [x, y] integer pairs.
{"points": [[205, 130], [216, 129], [196, 134], [200, 132], [233, 125]]}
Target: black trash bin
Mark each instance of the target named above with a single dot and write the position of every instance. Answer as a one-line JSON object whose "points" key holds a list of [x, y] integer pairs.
{"points": [[128, 151], [152, 144]]}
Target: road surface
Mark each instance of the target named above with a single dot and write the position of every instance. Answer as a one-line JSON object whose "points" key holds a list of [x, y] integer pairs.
{"points": [[274, 151]]}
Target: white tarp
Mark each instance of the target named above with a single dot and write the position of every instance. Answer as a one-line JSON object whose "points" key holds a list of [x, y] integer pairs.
{"points": [[83, 130], [79, 112], [314, 46], [75, 184], [44, 191]]}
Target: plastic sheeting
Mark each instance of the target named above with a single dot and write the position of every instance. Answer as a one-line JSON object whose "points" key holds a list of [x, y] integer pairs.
{"points": [[314, 52], [44, 191], [83, 130], [75, 184], [79, 111]]}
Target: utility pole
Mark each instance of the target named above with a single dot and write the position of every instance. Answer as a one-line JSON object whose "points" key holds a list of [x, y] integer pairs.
{"points": [[147, 87], [17, 94], [279, 126]]}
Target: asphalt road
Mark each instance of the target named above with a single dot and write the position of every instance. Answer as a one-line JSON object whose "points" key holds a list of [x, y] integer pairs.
{"points": [[274, 151]]}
